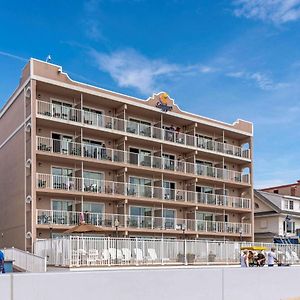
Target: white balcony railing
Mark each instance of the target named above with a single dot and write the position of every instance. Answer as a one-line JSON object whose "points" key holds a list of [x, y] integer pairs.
{"points": [[64, 113], [71, 218], [79, 184], [155, 162]]}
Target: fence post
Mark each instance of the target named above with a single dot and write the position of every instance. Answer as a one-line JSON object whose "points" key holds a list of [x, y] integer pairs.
{"points": [[136, 249], [162, 250], [185, 258]]}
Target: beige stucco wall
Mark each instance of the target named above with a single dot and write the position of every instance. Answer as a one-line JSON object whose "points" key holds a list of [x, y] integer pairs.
{"points": [[12, 176]]}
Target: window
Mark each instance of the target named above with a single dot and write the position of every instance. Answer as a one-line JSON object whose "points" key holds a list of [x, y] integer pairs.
{"points": [[61, 110], [92, 213], [169, 160], [62, 178], [93, 181], [94, 149], [205, 142], [286, 204], [62, 172], [288, 227], [141, 187], [205, 216], [291, 204], [92, 117], [62, 205], [204, 168], [169, 190], [140, 211], [169, 215], [93, 207], [140, 157], [139, 127], [62, 143], [275, 191]]}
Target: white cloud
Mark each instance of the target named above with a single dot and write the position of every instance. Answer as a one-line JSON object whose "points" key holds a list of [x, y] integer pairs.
{"points": [[10, 55], [275, 11], [91, 20], [131, 69], [260, 79]]}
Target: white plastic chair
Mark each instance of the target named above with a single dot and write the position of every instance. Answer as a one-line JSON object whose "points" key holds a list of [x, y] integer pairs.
{"points": [[126, 254], [139, 257], [295, 256], [93, 257], [105, 259], [153, 255], [116, 254]]}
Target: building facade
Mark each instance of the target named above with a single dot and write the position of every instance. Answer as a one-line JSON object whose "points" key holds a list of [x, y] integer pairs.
{"points": [[71, 152], [292, 189], [275, 215]]}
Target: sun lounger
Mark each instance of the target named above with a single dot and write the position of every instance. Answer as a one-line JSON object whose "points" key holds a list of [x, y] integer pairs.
{"points": [[126, 254], [105, 258], [152, 255], [295, 256], [116, 255], [139, 257]]}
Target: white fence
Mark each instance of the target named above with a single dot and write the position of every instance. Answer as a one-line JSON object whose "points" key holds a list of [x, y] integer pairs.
{"points": [[26, 261], [77, 251]]}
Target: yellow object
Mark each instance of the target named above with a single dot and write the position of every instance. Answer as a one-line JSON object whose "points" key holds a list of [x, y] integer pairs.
{"points": [[164, 98], [254, 248]]}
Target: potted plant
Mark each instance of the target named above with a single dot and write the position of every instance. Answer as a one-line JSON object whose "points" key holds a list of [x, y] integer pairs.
{"points": [[180, 257], [190, 257]]}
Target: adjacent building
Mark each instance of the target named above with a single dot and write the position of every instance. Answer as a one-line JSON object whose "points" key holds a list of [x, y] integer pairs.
{"points": [[72, 152], [292, 189], [275, 215]]}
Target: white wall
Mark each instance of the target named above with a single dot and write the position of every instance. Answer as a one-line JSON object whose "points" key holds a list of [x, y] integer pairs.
{"points": [[155, 284]]}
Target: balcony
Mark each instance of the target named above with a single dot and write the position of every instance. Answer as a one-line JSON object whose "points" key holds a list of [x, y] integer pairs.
{"points": [[69, 114], [112, 188], [72, 218], [150, 161]]}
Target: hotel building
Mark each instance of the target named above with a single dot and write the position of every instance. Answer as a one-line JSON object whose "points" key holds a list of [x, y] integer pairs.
{"points": [[138, 168]]}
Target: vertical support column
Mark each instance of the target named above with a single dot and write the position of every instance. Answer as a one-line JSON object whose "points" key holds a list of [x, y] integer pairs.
{"points": [[251, 189], [32, 146], [81, 108]]}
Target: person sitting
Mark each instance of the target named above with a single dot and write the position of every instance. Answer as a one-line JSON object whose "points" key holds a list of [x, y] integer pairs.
{"points": [[251, 259], [260, 259]]}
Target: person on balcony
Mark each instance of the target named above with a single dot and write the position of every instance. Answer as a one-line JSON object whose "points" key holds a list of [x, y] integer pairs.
{"points": [[2, 269]]}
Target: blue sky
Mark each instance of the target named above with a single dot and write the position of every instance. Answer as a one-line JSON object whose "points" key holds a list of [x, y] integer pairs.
{"points": [[221, 59]]}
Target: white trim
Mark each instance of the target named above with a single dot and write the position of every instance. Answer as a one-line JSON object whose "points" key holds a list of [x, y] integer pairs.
{"points": [[101, 93]]}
